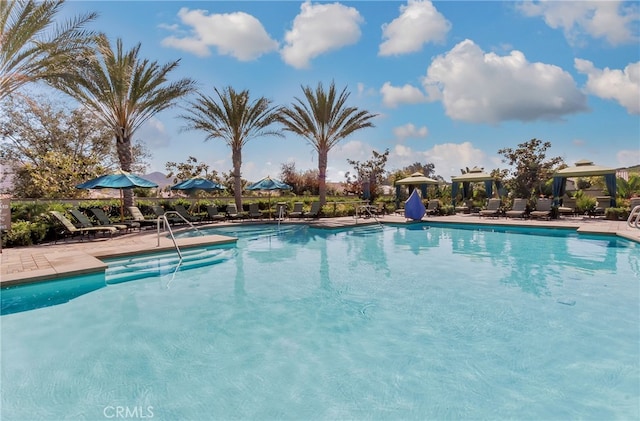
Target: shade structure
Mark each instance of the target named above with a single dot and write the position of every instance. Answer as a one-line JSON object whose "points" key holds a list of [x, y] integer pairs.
{"points": [[197, 183], [475, 175], [584, 168], [268, 184], [417, 179], [117, 180]]}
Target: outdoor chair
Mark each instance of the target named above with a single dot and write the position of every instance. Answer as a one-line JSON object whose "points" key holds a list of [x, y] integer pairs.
{"points": [[518, 210], [493, 208], [281, 211], [568, 206], [213, 214], [85, 222], [602, 203], [138, 217], [71, 230], [464, 207], [232, 212], [254, 211], [297, 211], [314, 212], [160, 213], [543, 209], [104, 220], [433, 207], [182, 211]]}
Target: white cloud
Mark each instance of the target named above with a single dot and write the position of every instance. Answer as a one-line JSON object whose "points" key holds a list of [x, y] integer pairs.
{"points": [[393, 96], [447, 158], [238, 34], [409, 130], [484, 87], [153, 134], [419, 23], [622, 86], [318, 29], [615, 21], [628, 158]]}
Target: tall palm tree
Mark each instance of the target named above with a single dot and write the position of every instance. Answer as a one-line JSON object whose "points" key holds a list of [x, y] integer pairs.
{"points": [[33, 48], [124, 91], [234, 118], [324, 120]]}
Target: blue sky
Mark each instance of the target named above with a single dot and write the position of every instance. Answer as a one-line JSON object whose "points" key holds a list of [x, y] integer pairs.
{"points": [[452, 82]]}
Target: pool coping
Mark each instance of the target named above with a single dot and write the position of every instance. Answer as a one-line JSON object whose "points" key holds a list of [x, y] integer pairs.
{"points": [[53, 261]]}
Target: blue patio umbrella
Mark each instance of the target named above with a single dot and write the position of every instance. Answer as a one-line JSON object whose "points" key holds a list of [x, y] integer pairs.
{"points": [[197, 183], [117, 180], [269, 184]]}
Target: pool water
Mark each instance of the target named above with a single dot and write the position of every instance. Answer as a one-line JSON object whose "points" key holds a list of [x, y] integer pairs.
{"points": [[400, 322]]}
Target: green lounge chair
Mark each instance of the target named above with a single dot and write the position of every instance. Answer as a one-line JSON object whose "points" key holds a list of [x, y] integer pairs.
{"points": [[104, 220], [518, 210], [493, 208], [85, 222], [72, 230]]}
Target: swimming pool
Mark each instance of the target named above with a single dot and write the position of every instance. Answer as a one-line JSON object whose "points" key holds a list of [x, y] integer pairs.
{"points": [[400, 322]]}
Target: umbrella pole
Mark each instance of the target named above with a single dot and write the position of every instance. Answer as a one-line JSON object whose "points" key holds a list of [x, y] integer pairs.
{"points": [[121, 206]]}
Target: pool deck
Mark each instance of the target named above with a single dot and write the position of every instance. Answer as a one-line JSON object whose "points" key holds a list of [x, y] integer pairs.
{"points": [[68, 258]]}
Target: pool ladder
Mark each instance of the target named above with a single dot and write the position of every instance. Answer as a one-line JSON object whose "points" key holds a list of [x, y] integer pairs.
{"points": [[368, 211], [166, 224], [634, 217]]}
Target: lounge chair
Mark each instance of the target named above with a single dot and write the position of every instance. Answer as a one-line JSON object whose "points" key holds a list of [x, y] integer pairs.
{"points": [[543, 209], [138, 217], [568, 206], [85, 222], [104, 220], [433, 207], [493, 208], [232, 212], [72, 230], [464, 207], [213, 214], [518, 210], [297, 211], [254, 211], [602, 203], [380, 209], [182, 211], [314, 212], [160, 213]]}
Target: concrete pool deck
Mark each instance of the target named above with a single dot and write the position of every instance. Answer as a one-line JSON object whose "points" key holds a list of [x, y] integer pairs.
{"points": [[68, 258]]}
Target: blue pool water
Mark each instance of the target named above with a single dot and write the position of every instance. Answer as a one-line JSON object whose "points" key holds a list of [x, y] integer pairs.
{"points": [[417, 322]]}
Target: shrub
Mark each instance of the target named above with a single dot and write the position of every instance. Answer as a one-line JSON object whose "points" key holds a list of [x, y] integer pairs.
{"points": [[616, 214]]}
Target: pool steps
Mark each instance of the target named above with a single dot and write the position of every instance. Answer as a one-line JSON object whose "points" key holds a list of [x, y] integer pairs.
{"points": [[139, 267]]}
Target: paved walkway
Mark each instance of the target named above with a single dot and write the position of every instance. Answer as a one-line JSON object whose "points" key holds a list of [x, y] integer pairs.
{"points": [[50, 261]]}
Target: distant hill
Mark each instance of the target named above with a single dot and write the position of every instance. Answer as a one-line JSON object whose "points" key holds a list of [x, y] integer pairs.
{"points": [[159, 178]]}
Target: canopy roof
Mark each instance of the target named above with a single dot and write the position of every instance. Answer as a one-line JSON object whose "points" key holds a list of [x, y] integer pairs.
{"points": [[197, 183], [417, 178], [474, 174], [117, 180], [584, 168], [268, 183]]}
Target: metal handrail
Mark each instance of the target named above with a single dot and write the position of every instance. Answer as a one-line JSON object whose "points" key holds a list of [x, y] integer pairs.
{"points": [[635, 212], [366, 208], [164, 219]]}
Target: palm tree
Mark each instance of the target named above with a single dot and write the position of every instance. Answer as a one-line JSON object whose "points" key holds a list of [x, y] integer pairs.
{"points": [[31, 50], [324, 120], [234, 118], [124, 91]]}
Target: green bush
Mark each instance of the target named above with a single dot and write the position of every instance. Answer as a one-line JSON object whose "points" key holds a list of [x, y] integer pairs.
{"points": [[616, 214], [25, 233]]}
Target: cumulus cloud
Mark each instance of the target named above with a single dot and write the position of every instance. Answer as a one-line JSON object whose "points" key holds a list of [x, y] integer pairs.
{"points": [[447, 158], [238, 34], [622, 86], [393, 96], [614, 21], [409, 130], [419, 23], [481, 87], [318, 29], [628, 158], [153, 134]]}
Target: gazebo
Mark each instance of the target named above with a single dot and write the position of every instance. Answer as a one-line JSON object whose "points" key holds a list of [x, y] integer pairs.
{"points": [[475, 175], [413, 181], [584, 168]]}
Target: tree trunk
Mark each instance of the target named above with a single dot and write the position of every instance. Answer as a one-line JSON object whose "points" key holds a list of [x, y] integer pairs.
{"points": [[236, 157], [322, 175], [125, 156]]}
